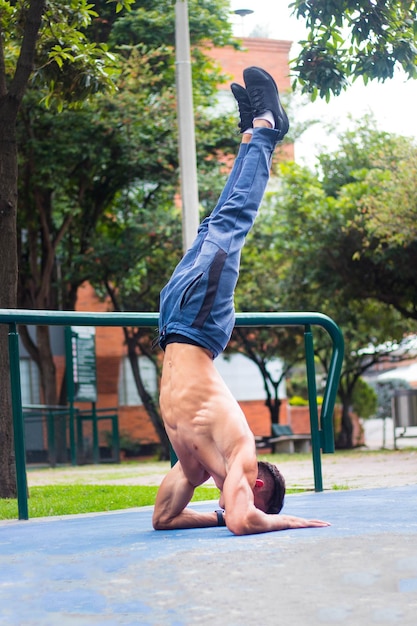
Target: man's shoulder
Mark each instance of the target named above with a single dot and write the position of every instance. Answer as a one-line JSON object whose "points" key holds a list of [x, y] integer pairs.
{"points": [[243, 455]]}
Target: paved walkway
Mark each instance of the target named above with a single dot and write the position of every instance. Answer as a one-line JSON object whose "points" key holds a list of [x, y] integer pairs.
{"points": [[354, 470], [114, 569]]}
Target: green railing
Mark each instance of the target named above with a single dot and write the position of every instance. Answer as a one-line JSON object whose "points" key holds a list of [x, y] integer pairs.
{"points": [[322, 438], [74, 418]]}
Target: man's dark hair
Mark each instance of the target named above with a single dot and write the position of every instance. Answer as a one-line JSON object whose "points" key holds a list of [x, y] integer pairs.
{"points": [[275, 482]]}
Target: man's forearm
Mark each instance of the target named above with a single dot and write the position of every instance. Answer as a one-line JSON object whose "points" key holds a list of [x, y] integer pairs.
{"points": [[188, 518], [260, 522]]}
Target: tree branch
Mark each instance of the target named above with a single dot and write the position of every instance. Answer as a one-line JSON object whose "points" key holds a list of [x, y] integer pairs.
{"points": [[24, 66], [3, 85]]}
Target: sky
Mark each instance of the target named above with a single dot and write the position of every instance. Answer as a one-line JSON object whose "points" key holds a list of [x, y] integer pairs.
{"points": [[393, 103]]}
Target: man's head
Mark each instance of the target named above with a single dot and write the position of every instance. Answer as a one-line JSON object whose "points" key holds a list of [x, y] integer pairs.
{"points": [[270, 488]]}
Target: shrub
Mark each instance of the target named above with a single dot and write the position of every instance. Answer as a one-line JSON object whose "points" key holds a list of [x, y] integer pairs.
{"points": [[364, 400]]}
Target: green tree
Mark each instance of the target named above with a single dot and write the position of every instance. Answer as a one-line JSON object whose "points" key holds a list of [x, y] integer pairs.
{"points": [[137, 245], [41, 42], [263, 346], [377, 194], [310, 258], [73, 167], [364, 399], [394, 179], [349, 39], [323, 245], [85, 168], [130, 259]]}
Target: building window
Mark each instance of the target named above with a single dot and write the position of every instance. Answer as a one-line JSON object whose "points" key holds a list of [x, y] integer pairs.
{"points": [[29, 381], [128, 393]]}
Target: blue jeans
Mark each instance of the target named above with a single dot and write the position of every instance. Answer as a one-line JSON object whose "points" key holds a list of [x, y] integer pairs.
{"points": [[197, 302]]}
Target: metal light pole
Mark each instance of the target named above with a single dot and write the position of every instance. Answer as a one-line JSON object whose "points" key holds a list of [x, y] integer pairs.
{"points": [[187, 151]]}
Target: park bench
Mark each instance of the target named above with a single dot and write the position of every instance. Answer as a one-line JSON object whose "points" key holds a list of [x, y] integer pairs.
{"points": [[284, 440]]}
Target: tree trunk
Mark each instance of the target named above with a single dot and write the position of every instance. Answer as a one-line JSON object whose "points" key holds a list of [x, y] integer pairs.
{"points": [[48, 369], [148, 403], [8, 282], [50, 390], [9, 105], [344, 439], [7, 461], [274, 405]]}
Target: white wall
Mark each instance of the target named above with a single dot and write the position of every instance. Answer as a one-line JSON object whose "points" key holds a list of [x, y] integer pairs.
{"points": [[243, 377]]}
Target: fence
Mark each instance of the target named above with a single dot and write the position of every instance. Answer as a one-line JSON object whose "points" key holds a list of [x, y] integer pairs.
{"points": [[322, 437], [68, 422]]}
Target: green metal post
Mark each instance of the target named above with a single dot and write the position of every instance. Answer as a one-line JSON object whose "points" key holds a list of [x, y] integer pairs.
{"points": [[172, 456], [116, 440], [18, 427], [330, 394], [80, 438], [50, 426], [96, 451], [73, 450], [312, 400], [70, 394]]}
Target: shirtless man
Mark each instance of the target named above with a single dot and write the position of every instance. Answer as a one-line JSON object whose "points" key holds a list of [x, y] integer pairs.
{"points": [[204, 422]]}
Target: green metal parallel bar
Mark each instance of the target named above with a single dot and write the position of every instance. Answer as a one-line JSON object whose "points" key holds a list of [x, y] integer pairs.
{"points": [[116, 441], [96, 451], [70, 391], [329, 398], [52, 416], [80, 441], [50, 427], [65, 318], [312, 401], [76, 318], [172, 456], [18, 429], [94, 415], [73, 449]]}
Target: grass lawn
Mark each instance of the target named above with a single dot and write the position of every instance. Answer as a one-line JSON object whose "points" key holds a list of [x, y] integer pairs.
{"points": [[53, 500], [68, 490]]}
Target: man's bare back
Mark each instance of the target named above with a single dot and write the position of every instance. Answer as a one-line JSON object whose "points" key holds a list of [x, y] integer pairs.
{"points": [[204, 422]]}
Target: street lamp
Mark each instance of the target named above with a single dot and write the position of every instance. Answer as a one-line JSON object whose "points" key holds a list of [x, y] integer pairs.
{"points": [[243, 13]]}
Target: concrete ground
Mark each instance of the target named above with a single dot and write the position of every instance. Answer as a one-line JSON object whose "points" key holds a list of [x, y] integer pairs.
{"points": [[112, 568]]}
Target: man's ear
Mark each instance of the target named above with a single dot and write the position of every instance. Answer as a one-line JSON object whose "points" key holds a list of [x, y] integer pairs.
{"points": [[259, 483]]}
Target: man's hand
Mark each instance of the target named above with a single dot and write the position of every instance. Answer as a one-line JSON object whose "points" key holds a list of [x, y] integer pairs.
{"points": [[243, 517], [290, 521]]}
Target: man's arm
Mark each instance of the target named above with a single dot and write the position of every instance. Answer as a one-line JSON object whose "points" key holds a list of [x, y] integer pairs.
{"points": [[242, 516], [173, 496]]}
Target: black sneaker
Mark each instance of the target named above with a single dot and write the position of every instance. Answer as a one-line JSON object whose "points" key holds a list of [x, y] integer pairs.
{"points": [[263, 95], [245, 108]]}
